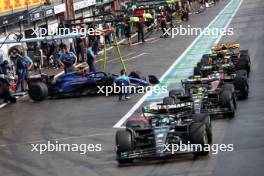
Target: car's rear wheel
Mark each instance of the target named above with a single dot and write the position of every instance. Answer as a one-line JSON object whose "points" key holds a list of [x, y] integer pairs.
{"points": [[243, 64], [242, 73], [231, 88], [38, 91], [241, 84], [244, 52], [244, 55], [205, 119], [227, 100]]}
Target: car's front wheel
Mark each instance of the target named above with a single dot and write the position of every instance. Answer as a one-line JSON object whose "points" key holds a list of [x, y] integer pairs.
{"points": [[124, 143], [198, 136]]}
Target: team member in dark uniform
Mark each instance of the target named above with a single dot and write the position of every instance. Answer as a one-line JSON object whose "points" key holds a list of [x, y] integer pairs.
{"points": [[91, 59], [123, 82], [67, 59]]}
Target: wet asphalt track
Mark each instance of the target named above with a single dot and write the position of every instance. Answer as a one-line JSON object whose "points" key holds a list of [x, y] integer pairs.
{"points": [[90, 119]]}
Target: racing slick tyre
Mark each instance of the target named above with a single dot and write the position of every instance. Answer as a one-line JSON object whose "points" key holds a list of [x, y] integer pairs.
{"points": [[168, 100], [205, 119], [244, 52], [244, 55], [231, 87], [241, 84], [136, 124], [242, 73], [198, 136], [124, 143], [5, 93], [227, 101], [38, 91], [243, 65]]}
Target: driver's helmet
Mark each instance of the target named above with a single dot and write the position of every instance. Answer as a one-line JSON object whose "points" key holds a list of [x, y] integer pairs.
{"points": [[197, 80], [226, 59], [200, 90], [216, 75], [165, 121]]}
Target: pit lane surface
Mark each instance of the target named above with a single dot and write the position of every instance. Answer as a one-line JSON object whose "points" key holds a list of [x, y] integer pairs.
{"points": [[89, 119]]}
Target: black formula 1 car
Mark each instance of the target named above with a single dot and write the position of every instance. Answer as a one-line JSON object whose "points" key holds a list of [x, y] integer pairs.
{"points": [[222, 56], [240, 58], [227, 74], [230, 68], [79, 83], [157, 133], [209, 95]]}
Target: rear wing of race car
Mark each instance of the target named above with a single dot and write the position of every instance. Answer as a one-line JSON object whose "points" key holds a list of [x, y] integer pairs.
{"points": [[225, 47]]}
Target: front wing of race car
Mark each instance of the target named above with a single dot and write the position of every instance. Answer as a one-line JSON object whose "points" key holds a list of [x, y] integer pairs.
{"points": [[155, 152]]}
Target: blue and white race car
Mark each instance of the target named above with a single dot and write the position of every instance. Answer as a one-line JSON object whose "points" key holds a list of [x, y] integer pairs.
{"points": [[77, 84]]}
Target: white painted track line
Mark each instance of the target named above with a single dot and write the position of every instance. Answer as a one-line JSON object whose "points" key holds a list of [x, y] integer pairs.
{"points": [[3, 105], [139, 103]]}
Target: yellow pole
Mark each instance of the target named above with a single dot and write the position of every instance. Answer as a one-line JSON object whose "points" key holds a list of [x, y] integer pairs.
{"points": [[120, 56]]}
